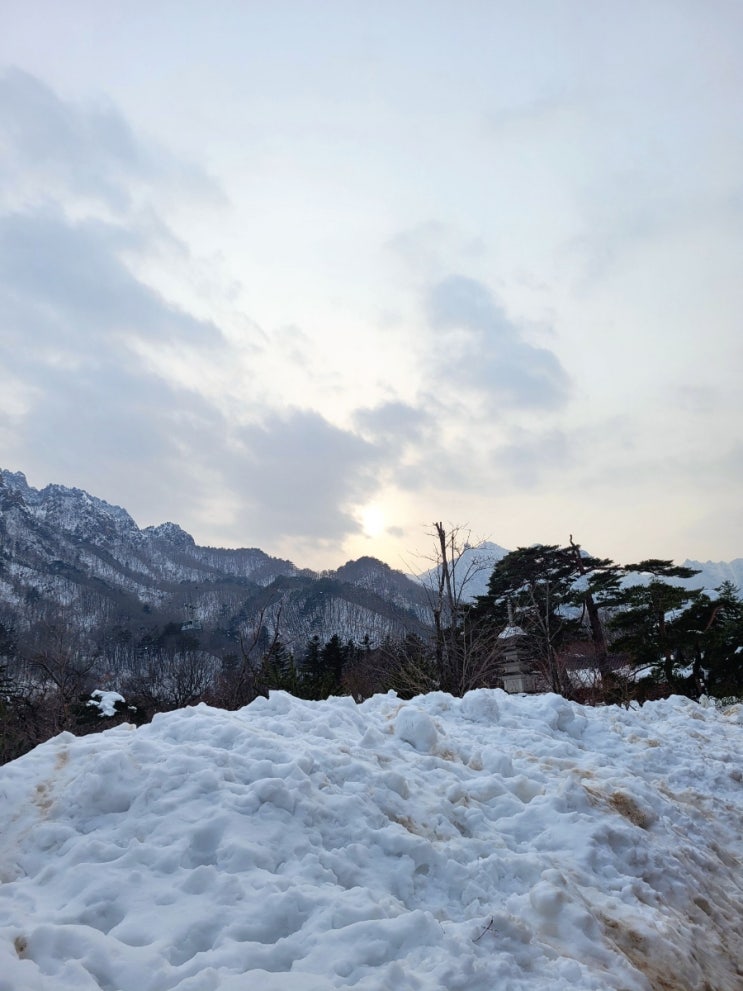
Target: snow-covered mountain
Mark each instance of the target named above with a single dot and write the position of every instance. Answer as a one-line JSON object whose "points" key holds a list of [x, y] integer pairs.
{"points": [[713, 573], [471, 569], [62, 547]]}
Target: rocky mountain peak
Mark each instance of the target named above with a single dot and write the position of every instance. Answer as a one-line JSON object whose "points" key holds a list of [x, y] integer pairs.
{"points": [[172, 534]]}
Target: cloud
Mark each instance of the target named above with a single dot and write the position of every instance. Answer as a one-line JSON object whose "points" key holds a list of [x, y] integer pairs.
{"points": [[115, 382], [477, 348], [527, 458], [53, 147], [299, 476], [68, 280], [75, 329], [425, 446], [431, 248], [121, 433], [538, 114], [92, 411], [97, 355], [69, 240], [294, 344], [90, 406], [110, 375], [461, 302], [394, 425]]}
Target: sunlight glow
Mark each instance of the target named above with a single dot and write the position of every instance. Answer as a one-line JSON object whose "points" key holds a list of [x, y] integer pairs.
{"points": [[372, 521]]}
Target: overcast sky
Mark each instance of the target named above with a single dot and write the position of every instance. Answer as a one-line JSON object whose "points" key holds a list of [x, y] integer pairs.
{"points": [[311, 275]]}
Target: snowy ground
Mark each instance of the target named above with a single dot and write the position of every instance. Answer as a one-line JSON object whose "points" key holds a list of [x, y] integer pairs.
{"points": [[491, 843]]}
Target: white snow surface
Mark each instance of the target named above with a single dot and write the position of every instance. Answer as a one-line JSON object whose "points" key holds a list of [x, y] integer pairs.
{"points": [[105, 702], [490, 842]]}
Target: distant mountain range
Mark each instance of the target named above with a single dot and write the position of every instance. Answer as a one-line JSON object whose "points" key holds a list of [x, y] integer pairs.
{"points": [[65, 551], [713, 573]]}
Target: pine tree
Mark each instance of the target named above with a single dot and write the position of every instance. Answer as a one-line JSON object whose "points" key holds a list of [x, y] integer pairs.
{"points": [[311, 681], [713, 628], [278, 672], [333, 657], [648, 622], [534, 585]]}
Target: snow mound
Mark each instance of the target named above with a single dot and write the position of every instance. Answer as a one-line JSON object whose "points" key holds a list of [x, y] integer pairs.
{"points": [[416, 728], [487, 842]]}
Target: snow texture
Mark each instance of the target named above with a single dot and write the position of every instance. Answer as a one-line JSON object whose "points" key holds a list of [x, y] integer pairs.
{"points": [[489, 842], [105, 702]]}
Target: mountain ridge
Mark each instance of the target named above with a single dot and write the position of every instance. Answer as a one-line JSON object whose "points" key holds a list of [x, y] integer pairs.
{"points": [[63, 548]]}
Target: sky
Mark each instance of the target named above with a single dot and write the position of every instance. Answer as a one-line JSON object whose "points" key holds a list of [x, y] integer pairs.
{"points": [[311, 276], [491, 841]]}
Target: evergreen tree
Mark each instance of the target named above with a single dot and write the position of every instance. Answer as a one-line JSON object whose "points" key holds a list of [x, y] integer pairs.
{"points": [[596, 586], [312, 671], [648, 621], [712, 631], [278, 672], [723, 648], [333, 658], [534, 585]]}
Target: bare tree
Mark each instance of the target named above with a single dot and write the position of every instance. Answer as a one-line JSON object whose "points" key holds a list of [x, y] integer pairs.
{"points": [[242, 684], [62, 669], [466, 656], [172, 680]]}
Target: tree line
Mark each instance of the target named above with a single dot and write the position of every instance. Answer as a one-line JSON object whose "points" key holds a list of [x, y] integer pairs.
{"points": [[638, 629], [584, 627]]}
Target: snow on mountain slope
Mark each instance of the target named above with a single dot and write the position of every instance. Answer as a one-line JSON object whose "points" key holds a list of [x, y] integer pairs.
{"points": [[71, 549], [471, 570], [713, 573], [487, 842]]}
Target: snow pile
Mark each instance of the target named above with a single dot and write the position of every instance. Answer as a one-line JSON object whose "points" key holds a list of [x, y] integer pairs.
{"points": [[478, 843], [105, 702]]}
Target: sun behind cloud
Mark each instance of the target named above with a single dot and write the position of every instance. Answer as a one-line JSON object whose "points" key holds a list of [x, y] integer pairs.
{"points": [[372, 520]]}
